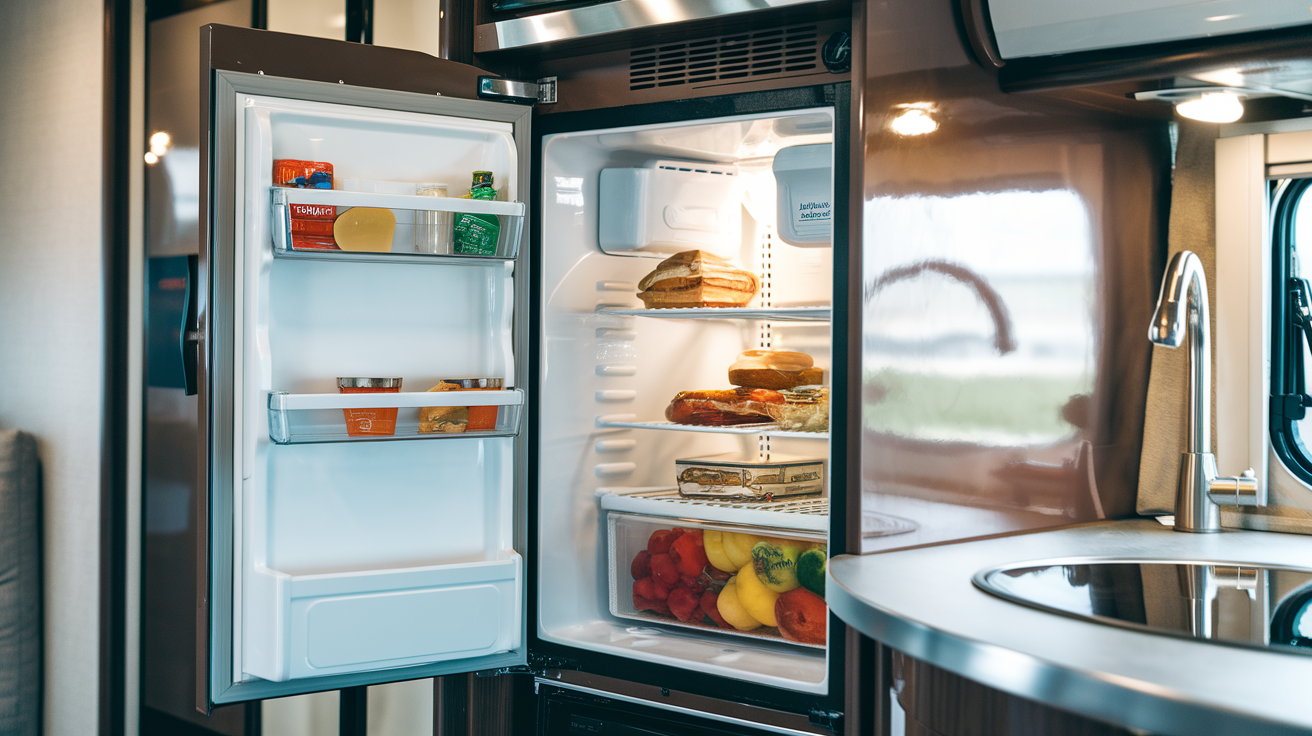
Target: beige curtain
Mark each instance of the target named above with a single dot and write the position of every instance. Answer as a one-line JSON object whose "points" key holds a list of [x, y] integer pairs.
{"points": [[1192, 227]]}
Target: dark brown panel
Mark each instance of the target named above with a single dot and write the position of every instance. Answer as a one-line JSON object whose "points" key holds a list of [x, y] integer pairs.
{"points": [[469, 705], [616, 77], [1010, 255], [455, 35], [703, 703], [939, 703], [325, 60]]}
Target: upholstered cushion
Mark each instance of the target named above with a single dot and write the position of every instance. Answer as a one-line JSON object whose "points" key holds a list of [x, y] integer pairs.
{"points": [[20, 585]]}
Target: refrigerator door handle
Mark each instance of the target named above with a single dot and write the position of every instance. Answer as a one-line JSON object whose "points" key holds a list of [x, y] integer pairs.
{"points": [[189, 336]]}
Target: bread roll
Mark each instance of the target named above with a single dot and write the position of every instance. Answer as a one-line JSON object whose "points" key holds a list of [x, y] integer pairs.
{"points": [[774, 369]]}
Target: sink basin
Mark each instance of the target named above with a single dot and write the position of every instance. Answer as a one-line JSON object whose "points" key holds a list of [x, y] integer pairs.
{"points": [[1221, 602]]}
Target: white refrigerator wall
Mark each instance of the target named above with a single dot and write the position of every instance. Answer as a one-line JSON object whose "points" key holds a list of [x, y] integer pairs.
{"points": [[370, 555], [596, 365]]}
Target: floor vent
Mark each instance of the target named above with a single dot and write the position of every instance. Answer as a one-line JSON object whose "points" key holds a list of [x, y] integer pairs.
{"points": [[778, 52]]}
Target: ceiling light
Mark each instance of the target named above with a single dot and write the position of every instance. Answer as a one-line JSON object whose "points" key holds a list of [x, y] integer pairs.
{"points": [[151, 158], [1212, 107], [914, 121]]}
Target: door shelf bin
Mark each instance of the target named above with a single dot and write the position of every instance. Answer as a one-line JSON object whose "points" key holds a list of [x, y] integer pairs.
{"points": [[299, 418], [509, 214], [629, 534], [335, 623]]}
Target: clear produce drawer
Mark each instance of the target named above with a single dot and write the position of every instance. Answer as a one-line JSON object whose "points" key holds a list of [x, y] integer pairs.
{"points": [[728, 579], [297, 418]]}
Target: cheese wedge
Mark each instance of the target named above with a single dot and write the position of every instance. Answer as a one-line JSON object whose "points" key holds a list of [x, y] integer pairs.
{"points": [[366, 229]]}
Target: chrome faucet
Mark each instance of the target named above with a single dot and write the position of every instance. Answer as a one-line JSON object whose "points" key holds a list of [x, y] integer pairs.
{"points": [[1181, 307]]}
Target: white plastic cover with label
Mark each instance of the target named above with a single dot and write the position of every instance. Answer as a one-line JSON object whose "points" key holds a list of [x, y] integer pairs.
{"points": [[805, 185]]}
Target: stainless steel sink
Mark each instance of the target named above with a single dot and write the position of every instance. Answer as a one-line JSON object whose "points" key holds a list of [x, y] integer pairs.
{"points": [[1222, 602]]}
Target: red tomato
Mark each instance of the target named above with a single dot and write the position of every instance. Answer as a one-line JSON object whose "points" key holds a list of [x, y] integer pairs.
{"points": [[689, 553], [640, 568]]}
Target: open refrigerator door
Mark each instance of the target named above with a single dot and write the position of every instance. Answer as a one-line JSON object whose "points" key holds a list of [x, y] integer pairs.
{"points": [[685, 357], [365, 385]]}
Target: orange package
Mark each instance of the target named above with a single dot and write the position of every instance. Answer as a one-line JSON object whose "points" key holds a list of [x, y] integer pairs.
{"points": [[312, 224]]}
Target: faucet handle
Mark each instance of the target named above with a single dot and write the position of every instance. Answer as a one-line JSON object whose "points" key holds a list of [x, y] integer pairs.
{"points": [[1235, 491]]}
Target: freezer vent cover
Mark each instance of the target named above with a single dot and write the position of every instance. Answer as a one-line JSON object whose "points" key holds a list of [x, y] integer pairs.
{"points": [[767, 54]]}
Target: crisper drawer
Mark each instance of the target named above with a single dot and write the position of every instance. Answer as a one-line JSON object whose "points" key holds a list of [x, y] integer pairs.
{"points": [[310, 625], [725, 579]]}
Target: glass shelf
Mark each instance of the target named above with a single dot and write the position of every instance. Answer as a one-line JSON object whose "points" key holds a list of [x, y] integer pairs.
{"points": [[806, 513], [302, 418], [766, 314], [509, 214], [769, 429]]}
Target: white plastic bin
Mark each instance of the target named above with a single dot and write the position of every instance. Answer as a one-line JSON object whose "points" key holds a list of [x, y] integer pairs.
{"points": [[669, 207], [804, 175]]}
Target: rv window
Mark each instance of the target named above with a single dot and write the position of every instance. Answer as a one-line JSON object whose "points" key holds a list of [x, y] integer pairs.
{"points": [[1291, 320]]}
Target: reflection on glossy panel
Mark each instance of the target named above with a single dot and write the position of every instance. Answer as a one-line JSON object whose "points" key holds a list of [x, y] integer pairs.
{"points": [[1008, 264]]}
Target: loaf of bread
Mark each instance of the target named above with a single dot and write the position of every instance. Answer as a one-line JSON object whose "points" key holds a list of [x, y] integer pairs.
{"points": [[694, 278], [723, 408], [443, 419], [774, 369]]}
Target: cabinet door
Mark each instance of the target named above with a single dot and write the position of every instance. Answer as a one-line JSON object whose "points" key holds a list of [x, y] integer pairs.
{"points": [[350, 539]]}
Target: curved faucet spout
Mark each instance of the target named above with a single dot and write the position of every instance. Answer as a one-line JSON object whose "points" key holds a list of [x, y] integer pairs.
{"points": [[1182, 312], [1182, 309]]}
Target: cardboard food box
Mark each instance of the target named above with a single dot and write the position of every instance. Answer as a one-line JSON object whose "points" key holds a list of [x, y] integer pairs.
{"points": [[729, 477]]}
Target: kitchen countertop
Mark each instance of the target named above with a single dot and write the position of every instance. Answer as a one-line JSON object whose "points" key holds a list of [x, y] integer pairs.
{"points": [[922, 602]]}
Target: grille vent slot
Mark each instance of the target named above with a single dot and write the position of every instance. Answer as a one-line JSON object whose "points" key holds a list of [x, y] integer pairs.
{"points": [[778, 52]]}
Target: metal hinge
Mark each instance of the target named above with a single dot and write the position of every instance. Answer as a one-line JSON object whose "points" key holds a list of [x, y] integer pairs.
{"points": [[830, 719], [541, 92], [538, 664]]}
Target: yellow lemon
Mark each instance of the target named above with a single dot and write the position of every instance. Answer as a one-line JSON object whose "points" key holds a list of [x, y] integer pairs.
{"points": [[713, 542], [755, 597], [732, 609], [738, 548]]}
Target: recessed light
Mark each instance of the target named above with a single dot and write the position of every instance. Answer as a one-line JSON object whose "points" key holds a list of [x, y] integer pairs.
{"points": [[1212, 107]]}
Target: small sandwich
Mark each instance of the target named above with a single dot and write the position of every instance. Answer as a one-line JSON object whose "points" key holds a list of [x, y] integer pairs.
{"points": [[774, 369], [696, 279]]}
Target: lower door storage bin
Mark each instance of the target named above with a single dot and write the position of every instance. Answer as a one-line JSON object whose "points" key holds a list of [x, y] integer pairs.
{"points": [[346, 622]]}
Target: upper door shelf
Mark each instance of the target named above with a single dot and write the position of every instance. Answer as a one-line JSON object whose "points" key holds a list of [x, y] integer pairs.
{"points": [[300, 418], [765, 314], [435, 228]]}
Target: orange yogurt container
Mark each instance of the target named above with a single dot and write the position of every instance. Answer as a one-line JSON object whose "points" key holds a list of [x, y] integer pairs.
{"points": [[369, 422]]}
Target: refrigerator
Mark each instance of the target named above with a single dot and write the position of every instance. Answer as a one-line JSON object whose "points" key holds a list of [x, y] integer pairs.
{"points": [[498, 508]]}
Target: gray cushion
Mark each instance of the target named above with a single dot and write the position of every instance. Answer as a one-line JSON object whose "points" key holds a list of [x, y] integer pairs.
{"points": [[20, 585]]}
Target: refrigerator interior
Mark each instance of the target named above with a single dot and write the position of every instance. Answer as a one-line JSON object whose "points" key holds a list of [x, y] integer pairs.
{"points": [[365, 555], [607, 365]]}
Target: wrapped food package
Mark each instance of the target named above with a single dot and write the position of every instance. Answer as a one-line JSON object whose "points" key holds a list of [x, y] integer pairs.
{"points": [[695, 278], [804, 409], [722, 407], [729, 477]]}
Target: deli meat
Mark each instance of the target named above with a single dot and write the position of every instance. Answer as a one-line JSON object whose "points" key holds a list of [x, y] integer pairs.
{"points": [[723, 408]]}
